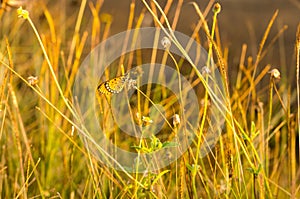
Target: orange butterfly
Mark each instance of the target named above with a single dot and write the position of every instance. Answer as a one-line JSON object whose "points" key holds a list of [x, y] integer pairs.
{"points": [[113, 86]]}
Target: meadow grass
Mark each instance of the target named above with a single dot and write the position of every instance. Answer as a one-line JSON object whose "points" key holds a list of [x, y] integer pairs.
{"points": [[43, 156]]}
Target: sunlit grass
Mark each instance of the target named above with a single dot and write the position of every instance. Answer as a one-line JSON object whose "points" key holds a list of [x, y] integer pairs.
{"points": [[42, 154]]}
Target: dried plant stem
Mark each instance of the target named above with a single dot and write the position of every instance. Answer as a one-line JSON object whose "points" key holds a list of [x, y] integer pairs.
{"points": [[260, 50], [298, 97], [76, 33], [297, 77], [266, 146]]}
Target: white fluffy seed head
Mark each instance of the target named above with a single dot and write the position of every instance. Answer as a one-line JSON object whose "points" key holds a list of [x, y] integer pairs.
{"points": [[275, 73], [166, 42]]}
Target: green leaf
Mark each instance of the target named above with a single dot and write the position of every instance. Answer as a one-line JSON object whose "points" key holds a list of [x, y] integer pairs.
{"points": [[169, 144], [193, 168], [255, 171]]}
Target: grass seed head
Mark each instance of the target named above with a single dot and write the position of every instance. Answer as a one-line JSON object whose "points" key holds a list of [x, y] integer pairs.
{"points": [[275, 73]]}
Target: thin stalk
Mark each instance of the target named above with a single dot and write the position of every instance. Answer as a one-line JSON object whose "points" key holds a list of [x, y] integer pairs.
{"points": [[260, 50], [266, 146], [76, 32], [25, 15], [298, 79], [80, 129]]}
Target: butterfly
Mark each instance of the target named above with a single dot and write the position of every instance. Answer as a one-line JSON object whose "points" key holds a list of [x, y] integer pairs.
{"points": [[113, 86]]}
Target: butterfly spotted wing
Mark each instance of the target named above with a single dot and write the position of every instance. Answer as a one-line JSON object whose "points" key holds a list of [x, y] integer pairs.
{"points": [[114, 85]]}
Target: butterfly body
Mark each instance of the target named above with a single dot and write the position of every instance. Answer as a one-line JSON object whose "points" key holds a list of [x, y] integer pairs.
{"points": [[113, 86]]}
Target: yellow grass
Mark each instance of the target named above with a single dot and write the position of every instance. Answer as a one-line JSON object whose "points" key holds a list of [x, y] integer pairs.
{"points": [[42, 131]]}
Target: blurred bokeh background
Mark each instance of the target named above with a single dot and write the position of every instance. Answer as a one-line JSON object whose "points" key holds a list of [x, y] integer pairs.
{"points": [[240, 22]]}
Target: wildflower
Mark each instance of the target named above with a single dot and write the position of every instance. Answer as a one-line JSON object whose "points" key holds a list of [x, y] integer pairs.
{"points": [[147, 120], [165, 42], [144, 120], [32, 80], [275, 73], [217, 8], [23, 13], [176, 119], [131, 83], [205, 70]]}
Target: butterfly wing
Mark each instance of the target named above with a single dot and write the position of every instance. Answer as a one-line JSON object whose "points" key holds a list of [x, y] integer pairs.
{"points": [[102, 89], [114, 85]]}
